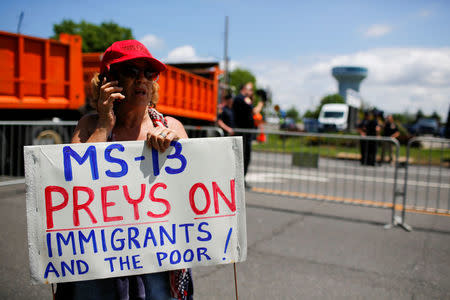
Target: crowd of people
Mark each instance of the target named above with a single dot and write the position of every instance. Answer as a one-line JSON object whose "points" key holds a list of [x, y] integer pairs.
{"points": [[374, 125]]}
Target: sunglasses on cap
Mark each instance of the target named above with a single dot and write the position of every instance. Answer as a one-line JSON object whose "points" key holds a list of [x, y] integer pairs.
{"points": [[133, 72]]}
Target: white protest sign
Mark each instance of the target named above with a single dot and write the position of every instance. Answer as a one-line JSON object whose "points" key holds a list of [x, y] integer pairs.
{"points": [[115, 209]]}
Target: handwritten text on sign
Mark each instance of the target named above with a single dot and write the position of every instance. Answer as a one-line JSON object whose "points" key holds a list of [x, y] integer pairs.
{"points": [[115, 209]]}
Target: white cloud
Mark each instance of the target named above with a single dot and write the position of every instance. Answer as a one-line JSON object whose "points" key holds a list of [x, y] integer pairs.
{"points": [[398, 79], [232, 64], [377, 30], [152, 42], [425, 13], [186, 53]]}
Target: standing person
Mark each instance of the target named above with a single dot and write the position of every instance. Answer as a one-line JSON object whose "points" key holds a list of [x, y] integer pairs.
{"points": [[390, 129], [368, 127], [243, 112], [362, 132], [126, 91], [447, 126], [226, 117]]}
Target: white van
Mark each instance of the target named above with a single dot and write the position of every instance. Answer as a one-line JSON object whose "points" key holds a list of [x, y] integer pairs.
{"points": [[333, 117]]}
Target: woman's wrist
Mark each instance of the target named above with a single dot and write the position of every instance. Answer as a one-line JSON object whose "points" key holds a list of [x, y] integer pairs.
{"points": [[104, 126], [105, 123], [100, 134]]}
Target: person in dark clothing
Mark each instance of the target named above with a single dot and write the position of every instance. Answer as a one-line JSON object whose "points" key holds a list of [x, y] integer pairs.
{"points": [[390, 129], [362, 132], [368, 127], [447, 126], [226, 117], [243, 112]]}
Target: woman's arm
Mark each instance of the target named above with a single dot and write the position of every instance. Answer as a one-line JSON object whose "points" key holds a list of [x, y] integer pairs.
{"points": [[225, 127], [90, 130], [395, 134], [257, 109], [176, 125], [97, 128]]}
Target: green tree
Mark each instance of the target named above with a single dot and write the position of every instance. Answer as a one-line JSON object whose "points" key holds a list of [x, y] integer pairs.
{"points": [[96, 38], [239, 77], [334, 98], [293, 113], [310, 114], [436, 116], [405, 117], [419, 115]]}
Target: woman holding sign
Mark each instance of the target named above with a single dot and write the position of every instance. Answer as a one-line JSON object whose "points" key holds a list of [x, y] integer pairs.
{"points": [[127, 91]]}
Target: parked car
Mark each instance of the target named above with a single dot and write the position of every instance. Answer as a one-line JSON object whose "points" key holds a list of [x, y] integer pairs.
{"points": [[425, 126], [288, 124], [333, 117], [442, 131], [311, 125]]}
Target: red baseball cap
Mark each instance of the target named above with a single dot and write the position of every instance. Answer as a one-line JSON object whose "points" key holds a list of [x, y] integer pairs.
{"points": [[127, 50]]}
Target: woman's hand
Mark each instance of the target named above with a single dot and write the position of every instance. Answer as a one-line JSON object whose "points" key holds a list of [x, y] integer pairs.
{"points": [[109, 92], [161, 137]]}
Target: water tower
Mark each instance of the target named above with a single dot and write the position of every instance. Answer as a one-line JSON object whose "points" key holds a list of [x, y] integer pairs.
{"points": [[349, 78]]}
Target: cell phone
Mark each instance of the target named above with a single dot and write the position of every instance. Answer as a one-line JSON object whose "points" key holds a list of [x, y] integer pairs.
{"points": [[115, 107], [110, 77]]}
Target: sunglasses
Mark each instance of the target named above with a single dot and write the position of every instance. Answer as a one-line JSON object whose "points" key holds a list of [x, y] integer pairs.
{"points": [[132, 71]]}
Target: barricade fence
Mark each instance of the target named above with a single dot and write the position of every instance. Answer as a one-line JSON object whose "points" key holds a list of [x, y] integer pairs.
{"points": [[326, 167], [427, 177], [16, 134], [338, 168]]}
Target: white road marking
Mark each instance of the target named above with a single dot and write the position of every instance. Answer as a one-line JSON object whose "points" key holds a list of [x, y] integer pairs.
{"points": [[280, 177], [281, 174], [12, 182], [333, 163]]}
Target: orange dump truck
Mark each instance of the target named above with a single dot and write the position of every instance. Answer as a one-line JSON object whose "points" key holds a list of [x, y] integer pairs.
{"points": [[43, 78]]}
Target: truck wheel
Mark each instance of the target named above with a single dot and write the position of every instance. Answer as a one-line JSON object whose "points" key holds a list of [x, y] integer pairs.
{"points": [[47, 137], [5, 157]]}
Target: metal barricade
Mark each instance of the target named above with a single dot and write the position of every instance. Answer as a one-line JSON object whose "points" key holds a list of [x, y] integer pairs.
{"points": [[426, 185], [203, 131], [325, 167], [14, 135]]}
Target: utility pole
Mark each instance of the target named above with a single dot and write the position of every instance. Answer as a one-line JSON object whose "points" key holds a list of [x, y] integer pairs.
{"points": [[19, 25], [225, 58]]}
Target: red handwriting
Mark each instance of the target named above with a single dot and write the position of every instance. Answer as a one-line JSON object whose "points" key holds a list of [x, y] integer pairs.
{"points": [[84, 206], [216, 192], [58, 200]]}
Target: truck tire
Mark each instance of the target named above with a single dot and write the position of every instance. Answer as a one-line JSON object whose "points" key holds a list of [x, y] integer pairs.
{"points": [[47, 137], [5, 155], [11, 152]]}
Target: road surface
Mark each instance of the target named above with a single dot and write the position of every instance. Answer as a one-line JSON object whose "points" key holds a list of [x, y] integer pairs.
{"points": [[297, 249]]}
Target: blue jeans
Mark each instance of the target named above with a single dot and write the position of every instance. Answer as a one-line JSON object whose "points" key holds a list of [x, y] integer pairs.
{"points": [[153, 286]]}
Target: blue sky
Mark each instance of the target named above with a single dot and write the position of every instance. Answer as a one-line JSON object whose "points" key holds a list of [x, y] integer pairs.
{"points": [[289, 45]]}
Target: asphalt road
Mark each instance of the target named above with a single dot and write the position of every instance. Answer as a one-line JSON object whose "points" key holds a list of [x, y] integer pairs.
{"points": [[297, 249]]}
